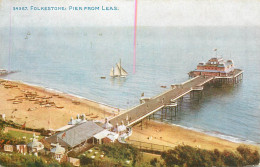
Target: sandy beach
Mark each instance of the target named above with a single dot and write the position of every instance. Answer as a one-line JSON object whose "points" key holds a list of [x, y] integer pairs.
{"points": [[170, 135], [42, 108]]}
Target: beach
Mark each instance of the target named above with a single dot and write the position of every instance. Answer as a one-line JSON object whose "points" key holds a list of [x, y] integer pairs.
{"points": [[171, 135], [37, 107]]}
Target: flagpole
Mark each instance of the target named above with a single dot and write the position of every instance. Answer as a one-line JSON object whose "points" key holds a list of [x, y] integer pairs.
{"points": [[216, 51]]}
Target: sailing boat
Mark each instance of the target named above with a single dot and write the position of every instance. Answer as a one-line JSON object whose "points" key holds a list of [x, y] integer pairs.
{"points": [[118, 71]]}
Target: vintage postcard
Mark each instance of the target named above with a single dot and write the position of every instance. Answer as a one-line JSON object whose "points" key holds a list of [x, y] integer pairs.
{"points": [[129, 83]]}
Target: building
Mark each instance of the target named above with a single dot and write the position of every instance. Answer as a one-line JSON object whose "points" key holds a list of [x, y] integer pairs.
{"points": [[79, 119], [82, 133], [214, 67], [21, 149], [120, 129], [35, 146], [107, 125], [74, 161], [58, 152], [8, 148], [3, 72], [105, 136]]}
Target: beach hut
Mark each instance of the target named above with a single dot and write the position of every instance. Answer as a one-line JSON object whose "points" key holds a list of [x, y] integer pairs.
{"points": [[58, 152]]}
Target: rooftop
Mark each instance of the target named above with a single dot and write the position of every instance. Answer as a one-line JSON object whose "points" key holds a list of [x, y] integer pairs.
{"points": [[76, 134], [58, 149], [219, 62]]}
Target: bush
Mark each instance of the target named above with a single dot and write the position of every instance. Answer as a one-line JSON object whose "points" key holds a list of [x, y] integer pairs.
{"points": [[72, 154], [85, 160], [189, 156], [88, 162], [66, 164], [248, 156], [153, 162], [120, 152], [20, 160], [231, 159]]}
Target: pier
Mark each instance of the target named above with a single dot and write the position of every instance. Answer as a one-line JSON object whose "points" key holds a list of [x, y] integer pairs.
{"points": [[167, 101]]}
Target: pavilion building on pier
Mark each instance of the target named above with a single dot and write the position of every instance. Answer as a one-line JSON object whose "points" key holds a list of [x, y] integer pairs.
{"points": [[214, 67]]}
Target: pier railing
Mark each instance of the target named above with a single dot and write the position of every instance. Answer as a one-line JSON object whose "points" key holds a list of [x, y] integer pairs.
{"points": [[151, 105]]}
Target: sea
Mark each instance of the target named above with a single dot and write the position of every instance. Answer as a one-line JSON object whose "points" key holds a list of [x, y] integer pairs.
{"points": [[73, 60]]}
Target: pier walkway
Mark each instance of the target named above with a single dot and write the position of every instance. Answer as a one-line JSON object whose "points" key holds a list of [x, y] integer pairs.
{"points": [[152, 105]]}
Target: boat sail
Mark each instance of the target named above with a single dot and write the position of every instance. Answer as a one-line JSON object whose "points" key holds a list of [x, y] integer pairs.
{"points": [[112, 72], [118, 71]]}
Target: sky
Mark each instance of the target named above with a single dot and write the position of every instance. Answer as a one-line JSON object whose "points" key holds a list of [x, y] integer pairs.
{"points": [[150, 13]]}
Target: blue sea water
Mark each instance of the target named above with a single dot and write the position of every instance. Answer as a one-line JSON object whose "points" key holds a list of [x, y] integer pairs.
{"points": [[72, 60]]}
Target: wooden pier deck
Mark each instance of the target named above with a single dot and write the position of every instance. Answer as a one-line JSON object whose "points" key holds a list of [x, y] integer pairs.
{"points": [[156, 103]]}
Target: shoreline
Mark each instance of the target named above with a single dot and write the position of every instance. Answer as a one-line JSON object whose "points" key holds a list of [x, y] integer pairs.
{"points": [[195, 138], [52, 90], [66, 102], [172, 135], [217, 135]]}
